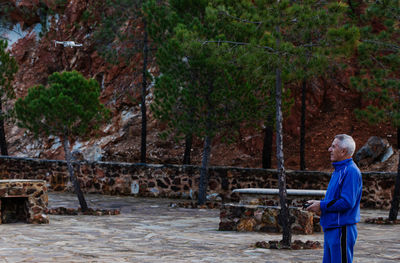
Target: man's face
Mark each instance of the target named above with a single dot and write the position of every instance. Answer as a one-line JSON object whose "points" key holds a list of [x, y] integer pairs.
{"points": [[337, 153]]}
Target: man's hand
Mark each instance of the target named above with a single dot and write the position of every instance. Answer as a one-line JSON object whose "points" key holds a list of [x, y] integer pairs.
{"points": [[314, 206]]}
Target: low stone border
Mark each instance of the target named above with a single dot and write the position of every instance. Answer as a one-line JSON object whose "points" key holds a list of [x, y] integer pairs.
{"points": [[382, 221], [257, 218], [296, 245], [194, 205], [73, 211]]}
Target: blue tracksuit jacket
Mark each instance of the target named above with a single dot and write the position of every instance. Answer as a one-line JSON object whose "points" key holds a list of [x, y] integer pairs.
{"points": [[341, 205]]}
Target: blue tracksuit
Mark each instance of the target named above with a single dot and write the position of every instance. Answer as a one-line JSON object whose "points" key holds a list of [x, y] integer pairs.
{"points": [[340, 211]]}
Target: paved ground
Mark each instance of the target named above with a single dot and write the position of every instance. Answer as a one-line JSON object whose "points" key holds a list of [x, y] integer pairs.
{"points": [[148, 230]]}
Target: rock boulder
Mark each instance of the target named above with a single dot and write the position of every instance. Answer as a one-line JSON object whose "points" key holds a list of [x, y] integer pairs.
{"points": [[375, 150]]}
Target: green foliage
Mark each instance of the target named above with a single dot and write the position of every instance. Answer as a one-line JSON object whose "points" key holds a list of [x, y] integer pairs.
{"points": [[242, 38], [379, 62], [309, 39], [86, 16], [8, 68], [119, 36], [68, 106], [202, 88]]}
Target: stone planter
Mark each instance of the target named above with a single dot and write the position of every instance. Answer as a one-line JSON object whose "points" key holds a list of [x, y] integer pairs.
{"points": [[23, 201]]}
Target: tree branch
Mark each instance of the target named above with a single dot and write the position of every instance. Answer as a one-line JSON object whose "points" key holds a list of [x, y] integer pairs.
{"points": [[378, 62], [381, 43], [238, 44], [240, 19], [310, 45]]}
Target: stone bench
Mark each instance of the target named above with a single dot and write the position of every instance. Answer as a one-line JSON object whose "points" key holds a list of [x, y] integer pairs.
{"points": [[259, 208], [270, 196]]}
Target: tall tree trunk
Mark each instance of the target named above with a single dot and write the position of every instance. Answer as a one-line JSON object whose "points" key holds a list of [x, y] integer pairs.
{"points": [[284, 217], [303, 125], [143, 94], [284, 212], [204, 171], [207, 146], [188, 148], [267, 147], [394, 208], [74, 180], [3, 142]]}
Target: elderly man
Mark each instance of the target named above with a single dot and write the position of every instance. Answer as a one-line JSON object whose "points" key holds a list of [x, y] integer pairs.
{"points": [[340, 209]]}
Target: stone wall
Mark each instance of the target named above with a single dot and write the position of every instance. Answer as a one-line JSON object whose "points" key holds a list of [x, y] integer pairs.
{"points": [[181, 181]]}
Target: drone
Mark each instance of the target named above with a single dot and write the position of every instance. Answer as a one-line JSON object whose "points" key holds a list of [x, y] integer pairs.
{"points": [[70, 44]]}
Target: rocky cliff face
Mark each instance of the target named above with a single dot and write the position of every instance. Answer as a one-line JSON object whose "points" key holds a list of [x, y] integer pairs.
{"points": [[329, 111]]}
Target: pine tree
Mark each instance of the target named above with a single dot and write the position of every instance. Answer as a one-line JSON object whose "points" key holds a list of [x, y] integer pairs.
{"points": [[68, 107], [262, 39], [163, 17], [379, 64], [8, 68], [200, 90], [279, 35], [121, 37]]}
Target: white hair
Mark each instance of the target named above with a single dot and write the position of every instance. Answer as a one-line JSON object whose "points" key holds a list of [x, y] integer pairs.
{"points": [[346, 142]]}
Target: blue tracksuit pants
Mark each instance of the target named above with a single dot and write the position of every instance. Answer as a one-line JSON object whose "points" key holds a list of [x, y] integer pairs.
{"points": [[339, 243]]}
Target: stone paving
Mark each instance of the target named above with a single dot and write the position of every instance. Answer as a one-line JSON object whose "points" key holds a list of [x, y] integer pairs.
{"points": [[148, 230]]}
